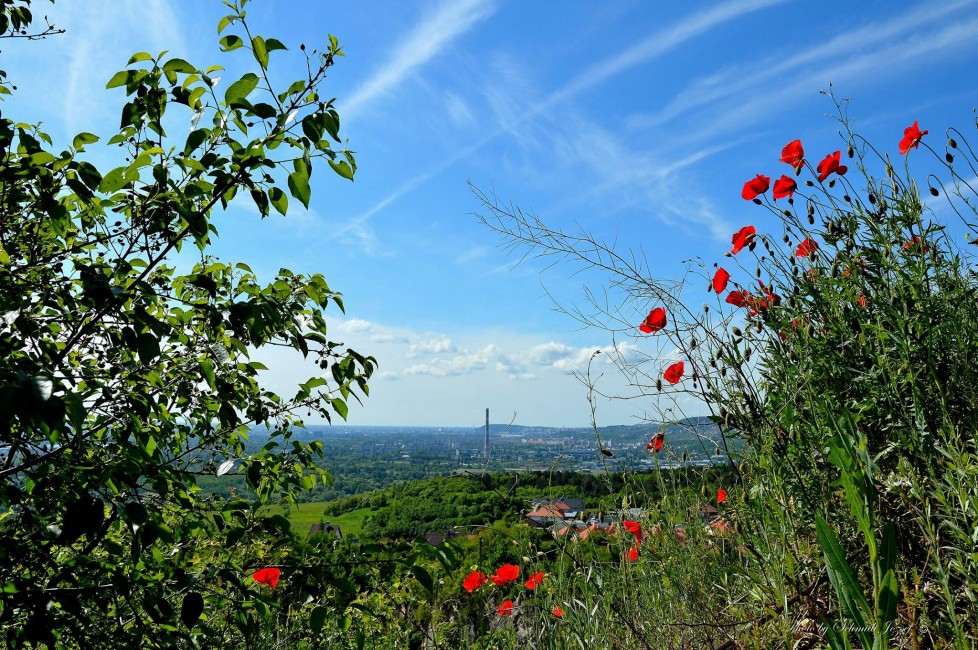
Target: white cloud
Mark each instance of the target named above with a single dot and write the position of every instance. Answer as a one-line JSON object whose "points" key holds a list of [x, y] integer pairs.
{"points": [[461, 364], [449, 20], [432, 346], [458, 110], [510, 116]]}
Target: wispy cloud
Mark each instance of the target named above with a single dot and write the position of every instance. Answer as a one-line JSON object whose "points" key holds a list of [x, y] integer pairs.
{"points": [[449, 20], [649, 48], [746, 91]]}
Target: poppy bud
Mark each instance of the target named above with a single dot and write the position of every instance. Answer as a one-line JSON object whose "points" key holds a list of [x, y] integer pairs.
{"points": [[850, 151], [809, 184], [758, 327], [658, 385], [846, 198], [811, 220], [787, 213], [786, 239], [952, 143], [706, 309], [832, 183], [758, 271], [757, 201], [872, 199], [934, 191], [736, 330], [949, 158], [692, 344]]}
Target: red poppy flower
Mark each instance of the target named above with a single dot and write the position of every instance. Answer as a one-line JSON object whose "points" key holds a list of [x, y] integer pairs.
{"points": [[268, 576], [632, 554], [831, 164], [506, 608], [742, 238], [738, 298], [911, 138], [793, 154], [721, 495], [633, 527], [806, 248], [534, 580], [720, 279], [755, 186], [505, 574], [655, 321], [557, 612], [862, 300], [915, 242], [655, 444], [474, 580], [784, 187], [674, 373]]}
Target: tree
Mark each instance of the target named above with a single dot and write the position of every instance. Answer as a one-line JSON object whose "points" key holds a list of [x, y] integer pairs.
{"points": [[122, 379]]}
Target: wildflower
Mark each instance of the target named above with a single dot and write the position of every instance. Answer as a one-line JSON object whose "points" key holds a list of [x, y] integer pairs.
{"points": [[505, 574], [915, 242], [738, 298], [721, 495], [862, 300], [806, 248], [557, 611], [720, 279], [742, 238], [632, 554], [655, 444], [674, 373], [793, 154], [655, 321], [534, 581], [911, 138], [474, 580], [506, 608], [268, 576], [633, 527], [829, 165], [755, 186], [784, 187]]}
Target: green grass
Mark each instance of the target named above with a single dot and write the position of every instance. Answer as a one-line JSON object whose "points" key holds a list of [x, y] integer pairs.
{"points": [[307, 514]]}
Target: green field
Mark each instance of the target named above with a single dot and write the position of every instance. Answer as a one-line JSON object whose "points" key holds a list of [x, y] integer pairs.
{"points": [[306, 515]]}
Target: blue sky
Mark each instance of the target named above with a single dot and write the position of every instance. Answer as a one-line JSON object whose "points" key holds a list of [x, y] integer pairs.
{"points": [[637, 121]]}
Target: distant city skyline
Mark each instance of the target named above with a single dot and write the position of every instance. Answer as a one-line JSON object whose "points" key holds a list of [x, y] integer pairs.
{"points": [[639, 122]]}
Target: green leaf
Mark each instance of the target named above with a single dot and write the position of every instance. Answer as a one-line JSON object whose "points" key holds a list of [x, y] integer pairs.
{"points": [[424, 578], [140, 56], [260, 52], [207, 369], [230, 42], [179, 65], [273, 44], [241, 88], [113, 181], [342, 169], [340, 407], [317, 618], [192, 608], [148, 347], [82, 139], [843, 578], [121, 78], [299, 187], [279, 200], [224, 22]]}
